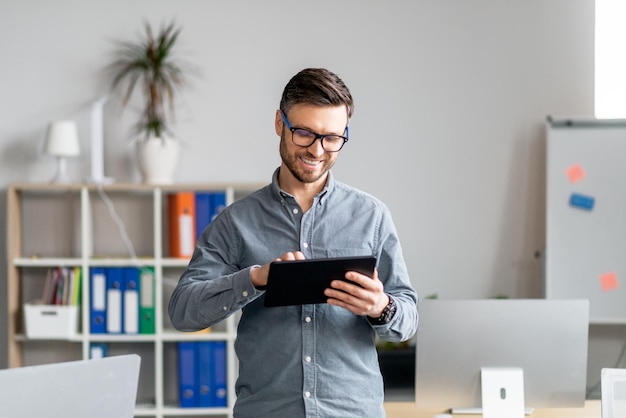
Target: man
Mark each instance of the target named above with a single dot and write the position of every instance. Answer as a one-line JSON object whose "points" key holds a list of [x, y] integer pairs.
{"points": [[310, 360]]}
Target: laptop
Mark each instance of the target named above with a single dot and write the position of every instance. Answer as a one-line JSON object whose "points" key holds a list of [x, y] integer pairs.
{"points": [[98, 388]]}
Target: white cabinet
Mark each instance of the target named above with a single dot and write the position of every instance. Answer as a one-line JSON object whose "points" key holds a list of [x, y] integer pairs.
{"points": [[87, 226]]}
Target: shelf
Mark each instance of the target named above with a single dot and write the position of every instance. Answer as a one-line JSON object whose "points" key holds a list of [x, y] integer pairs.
{"points": [[46, 262], [111, 261], [173, 336], [174, 262], [23, 338], [105, 226]]}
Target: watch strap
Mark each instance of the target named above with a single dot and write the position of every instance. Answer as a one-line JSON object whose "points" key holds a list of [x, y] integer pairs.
{"points": [[387, 314]]}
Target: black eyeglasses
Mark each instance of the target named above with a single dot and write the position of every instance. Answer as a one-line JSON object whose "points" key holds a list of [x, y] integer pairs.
{"points": [[305, 138]]}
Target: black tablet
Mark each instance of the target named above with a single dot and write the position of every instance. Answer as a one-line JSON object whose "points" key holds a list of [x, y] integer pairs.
{"points": [[301, 282]]}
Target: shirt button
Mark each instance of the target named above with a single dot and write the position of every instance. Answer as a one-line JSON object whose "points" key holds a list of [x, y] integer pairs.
{"points": [[307, 359], [305, 244], [307, 394], [225, 308], [245, 293], [295, 211], [307, 319]]}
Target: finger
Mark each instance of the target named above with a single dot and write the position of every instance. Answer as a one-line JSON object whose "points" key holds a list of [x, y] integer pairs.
{"points": [[351, 303], [342, 296], [346, 287], [363, 280], [292, 255], [287, 256], [351, 294]]}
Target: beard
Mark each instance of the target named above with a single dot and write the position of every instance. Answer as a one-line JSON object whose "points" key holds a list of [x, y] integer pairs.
{"points": [[291, 162]]}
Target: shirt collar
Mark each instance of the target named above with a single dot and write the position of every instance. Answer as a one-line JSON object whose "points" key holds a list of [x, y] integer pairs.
{"points": [[328, 188]]}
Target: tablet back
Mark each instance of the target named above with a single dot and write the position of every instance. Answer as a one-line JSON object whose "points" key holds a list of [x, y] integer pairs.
{"points": [[98, 388], [301, 282]]}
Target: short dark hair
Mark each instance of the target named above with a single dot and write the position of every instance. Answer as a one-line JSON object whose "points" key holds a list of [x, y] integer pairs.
{"points": [[319, 87]]}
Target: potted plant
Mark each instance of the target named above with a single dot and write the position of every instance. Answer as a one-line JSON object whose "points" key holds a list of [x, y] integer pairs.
{"points": [[150, 66]]}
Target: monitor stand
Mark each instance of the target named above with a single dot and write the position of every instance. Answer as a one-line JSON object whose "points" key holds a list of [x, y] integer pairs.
{"points": [[502, 394]]}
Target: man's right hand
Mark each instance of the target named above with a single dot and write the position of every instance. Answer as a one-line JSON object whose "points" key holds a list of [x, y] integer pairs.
{"points": [[258, 275]]}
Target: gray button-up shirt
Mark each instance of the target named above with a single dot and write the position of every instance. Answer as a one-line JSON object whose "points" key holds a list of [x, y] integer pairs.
{"points": [[297, 361]]}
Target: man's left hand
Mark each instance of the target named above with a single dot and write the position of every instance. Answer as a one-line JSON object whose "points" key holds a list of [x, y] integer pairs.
{"points": [[365, 296]]}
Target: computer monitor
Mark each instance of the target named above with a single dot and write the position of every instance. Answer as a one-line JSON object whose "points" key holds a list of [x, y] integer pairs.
{"points": [[546, 339]]}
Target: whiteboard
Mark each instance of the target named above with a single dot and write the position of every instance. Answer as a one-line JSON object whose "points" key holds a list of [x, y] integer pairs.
{"points": [[586, 215]]}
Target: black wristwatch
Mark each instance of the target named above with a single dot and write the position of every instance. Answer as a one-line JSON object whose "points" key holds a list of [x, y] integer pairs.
{"points": [[386, 315]]}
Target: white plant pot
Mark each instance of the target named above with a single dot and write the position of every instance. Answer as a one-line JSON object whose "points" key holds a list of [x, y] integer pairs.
{"points": [[158, 159]]}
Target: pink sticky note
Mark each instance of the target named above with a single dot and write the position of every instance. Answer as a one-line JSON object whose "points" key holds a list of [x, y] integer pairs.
{"points": [[609, 281], [575, 173]]}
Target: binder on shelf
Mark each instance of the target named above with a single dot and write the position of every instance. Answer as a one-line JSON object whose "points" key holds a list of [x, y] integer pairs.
{"points": [[97, 300], [97, 350], [57, 286], [76, 286], [203, 211], [131, 300], [182, 230], [64, 284], [187, 374], [220, 394], [218, 203], [114, 303], [204, 373], [147, 301], [208, 206]]}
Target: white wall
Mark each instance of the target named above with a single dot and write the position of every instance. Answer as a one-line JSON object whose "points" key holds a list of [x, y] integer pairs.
{"points": [[451, 98]]}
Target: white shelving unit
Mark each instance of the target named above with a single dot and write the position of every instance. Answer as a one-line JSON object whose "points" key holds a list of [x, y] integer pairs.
{"points": [[51, 225]]}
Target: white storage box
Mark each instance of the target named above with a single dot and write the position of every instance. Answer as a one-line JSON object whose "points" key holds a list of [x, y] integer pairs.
{"points": [[50, 321]]}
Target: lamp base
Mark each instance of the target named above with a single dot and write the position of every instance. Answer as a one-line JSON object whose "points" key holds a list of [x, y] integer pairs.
{"points": [[61, 175]]}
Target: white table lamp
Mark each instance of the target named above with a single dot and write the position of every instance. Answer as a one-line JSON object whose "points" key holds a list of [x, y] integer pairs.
{"points": [[62, 142]]}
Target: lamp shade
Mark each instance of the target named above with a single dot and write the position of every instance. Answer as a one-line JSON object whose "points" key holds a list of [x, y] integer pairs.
{"points": [[62, 139]]}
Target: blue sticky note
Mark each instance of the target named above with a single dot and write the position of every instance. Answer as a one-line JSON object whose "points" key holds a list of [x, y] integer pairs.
{"points": [[581, 201]]}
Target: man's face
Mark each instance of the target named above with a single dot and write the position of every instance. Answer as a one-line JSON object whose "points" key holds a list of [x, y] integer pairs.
{"points": [[310, 164]]}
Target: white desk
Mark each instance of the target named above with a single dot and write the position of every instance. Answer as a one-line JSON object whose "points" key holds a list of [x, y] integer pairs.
{"points": [[592, 409]]}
